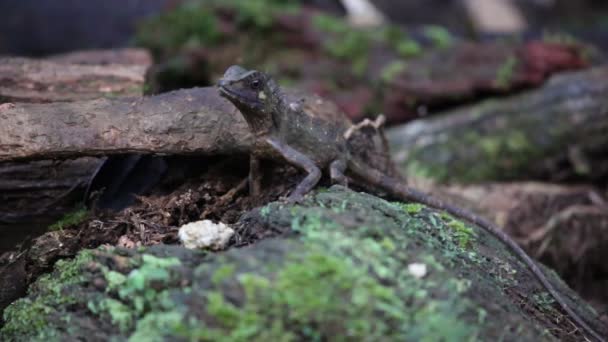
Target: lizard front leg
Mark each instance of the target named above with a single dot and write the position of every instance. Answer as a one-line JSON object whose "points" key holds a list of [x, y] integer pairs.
{"points": [[255, 175], [301, 161]]}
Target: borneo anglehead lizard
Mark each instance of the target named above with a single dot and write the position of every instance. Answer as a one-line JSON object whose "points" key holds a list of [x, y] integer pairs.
{"points": [[283, 131]]}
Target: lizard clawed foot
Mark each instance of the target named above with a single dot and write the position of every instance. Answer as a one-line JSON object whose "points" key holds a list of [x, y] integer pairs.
{"points": [[293, 199]]}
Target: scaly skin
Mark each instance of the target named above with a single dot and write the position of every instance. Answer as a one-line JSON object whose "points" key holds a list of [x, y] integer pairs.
{"points": [[284, 130]]}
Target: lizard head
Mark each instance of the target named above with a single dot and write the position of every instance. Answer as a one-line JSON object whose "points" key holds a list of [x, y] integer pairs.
{"points": [[248, 90]]}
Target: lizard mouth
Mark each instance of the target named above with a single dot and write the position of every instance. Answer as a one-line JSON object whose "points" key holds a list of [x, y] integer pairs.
{"points": [[227, 92], [237, 96]]}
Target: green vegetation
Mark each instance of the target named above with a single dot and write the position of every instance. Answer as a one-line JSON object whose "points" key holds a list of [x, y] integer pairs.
{"points": [[412, 208], [29, 316], [196, 23], [187, 25], [345, 42], [392, 70], [440, 36], [352, 44], [465, 235], [398, 39], [70, 219], [339, 271], [505, 155], [258, 14], [504, 75]]}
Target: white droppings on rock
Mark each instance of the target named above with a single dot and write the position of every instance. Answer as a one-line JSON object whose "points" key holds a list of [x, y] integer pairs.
{"points": [[205, 234], [417, 270]]}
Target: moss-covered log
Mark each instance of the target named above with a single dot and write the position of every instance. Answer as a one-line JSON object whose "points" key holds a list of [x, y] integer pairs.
{"points": [[341, 266], [559, 127]]}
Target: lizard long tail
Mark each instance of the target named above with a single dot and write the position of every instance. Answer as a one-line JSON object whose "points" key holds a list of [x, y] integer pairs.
{"points": [[403, 192]]}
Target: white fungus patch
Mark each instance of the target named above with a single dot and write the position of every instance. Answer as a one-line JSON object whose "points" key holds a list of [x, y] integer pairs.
{"points": [[205, 234], [417, 270]]}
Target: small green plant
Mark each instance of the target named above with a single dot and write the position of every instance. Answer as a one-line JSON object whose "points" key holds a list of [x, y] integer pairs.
{"points": [[70, 219], [408, 48], [463, 234], [392, 70], [505, 73], [439, 36], [412, 208]]}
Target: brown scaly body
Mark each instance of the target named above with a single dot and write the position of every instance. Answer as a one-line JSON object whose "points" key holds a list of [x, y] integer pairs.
{"points": [[283, 130]]}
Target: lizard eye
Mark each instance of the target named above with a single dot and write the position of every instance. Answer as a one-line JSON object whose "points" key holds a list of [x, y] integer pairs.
{"points": [[255, 84]]}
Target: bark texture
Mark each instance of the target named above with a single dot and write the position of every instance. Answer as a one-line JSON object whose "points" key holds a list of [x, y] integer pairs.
{"points": [[180, 122], [31, 80]]}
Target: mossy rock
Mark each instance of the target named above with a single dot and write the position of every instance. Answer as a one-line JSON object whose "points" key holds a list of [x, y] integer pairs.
{"points": [[338, 268]]}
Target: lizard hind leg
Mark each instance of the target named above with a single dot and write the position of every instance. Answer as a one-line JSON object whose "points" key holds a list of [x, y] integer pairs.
{"points": [[336, 172]]}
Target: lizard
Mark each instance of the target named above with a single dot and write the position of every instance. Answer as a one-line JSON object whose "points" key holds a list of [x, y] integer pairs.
{"points": [[282, 130]]}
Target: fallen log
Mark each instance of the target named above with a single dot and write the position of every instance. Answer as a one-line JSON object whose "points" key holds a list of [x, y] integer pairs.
{"points": [[186, 121], [126, 56], [48, 188], [31, 80], [556, 132]]}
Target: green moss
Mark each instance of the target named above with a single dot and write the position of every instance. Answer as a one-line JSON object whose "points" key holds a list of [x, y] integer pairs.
{"points": [[412, 208], [330, 24], [155, 326], [340, 272], [70, 219], [392, 70], [222, 273], [120, 314], [440, 36], [138, 289], [517, 142], [409, 48], [31, 314], [505, 73], [464, 234], [306, 294], [504, 155], [490, 146], [398, 39], [544, 300]]}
